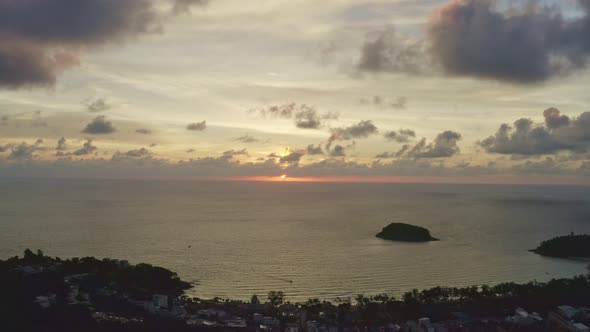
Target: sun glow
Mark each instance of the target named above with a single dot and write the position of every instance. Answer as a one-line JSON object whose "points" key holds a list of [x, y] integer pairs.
{"points": [[283, 176]]}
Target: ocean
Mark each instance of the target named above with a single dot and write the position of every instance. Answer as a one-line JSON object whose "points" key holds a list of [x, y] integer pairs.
{"points": [[235, 239]]}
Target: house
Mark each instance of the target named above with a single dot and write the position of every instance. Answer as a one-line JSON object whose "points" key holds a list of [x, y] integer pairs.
{"points": [[523, 318], [45, 301], [567, 318]]}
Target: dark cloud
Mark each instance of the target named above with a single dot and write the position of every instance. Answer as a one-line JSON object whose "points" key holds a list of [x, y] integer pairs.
{"points": [[26, 64], [554, 119], [197, 126], [401, 136], [314, 150], [338, 151], [24, 151], [190, 150], [293, 158], [363, 129], [232, 153], [61, 144], [98, 105], [86, 149], [386, 51], [307, 119], [247, 139], [99, 126], [138, 153], [558, 133], [304, 116], [41, 38], [478, 38], [143, 131], [444, 145], [386, 155]]}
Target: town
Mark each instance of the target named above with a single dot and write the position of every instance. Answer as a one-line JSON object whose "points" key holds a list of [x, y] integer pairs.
{"points": [[87, 294]]}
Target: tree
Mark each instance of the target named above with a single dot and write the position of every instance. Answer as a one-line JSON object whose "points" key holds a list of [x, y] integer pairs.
{"points": [[254, 299], [276, 298]]}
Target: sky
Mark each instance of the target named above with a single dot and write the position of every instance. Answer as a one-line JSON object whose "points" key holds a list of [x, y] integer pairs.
{"points": [[375, 90]]}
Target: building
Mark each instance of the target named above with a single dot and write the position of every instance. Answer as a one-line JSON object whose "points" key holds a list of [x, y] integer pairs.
{"points": [[160, 301], [568, 318], [579, 327]]}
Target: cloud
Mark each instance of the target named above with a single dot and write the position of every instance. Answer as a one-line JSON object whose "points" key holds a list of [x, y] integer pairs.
{"points": [[401, 136], [363, 129], [138, 153], [232, 153], [554, 119], [444, 145], [61, 144], [130, 156], [400, 103], [307, 119], [24, 151], [386, 155], [42, 38], [478, 38], [314, 150], [546, 166], [182, 6], [99, 126], [304, 116], [86, 149], [386, 51], [98, 105], [558, 133], [143, 131], [293, 158], [381, 102], [197, 126], [247, 139], [283, 111], [338, 151]]}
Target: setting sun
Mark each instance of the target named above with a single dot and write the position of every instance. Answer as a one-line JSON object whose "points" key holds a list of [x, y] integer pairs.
{"points": [[283, 176]]}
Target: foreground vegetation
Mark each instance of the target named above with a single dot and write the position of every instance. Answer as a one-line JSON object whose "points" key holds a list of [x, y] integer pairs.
{"points": [[140, 281]]}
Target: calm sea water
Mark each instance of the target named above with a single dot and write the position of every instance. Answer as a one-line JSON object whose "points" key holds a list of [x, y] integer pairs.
{"points": [[248, 238]]}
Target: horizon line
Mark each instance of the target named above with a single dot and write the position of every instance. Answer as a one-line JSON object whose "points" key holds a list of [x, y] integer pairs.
{"points": [[556, 180]]}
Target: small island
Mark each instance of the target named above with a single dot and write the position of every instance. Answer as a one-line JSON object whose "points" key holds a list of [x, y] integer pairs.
{"points": [[565, 246], [405, 233]]}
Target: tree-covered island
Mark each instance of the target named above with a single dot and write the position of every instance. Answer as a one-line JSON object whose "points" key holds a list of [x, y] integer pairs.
{"points": [[565, 246], [406, 233]]}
